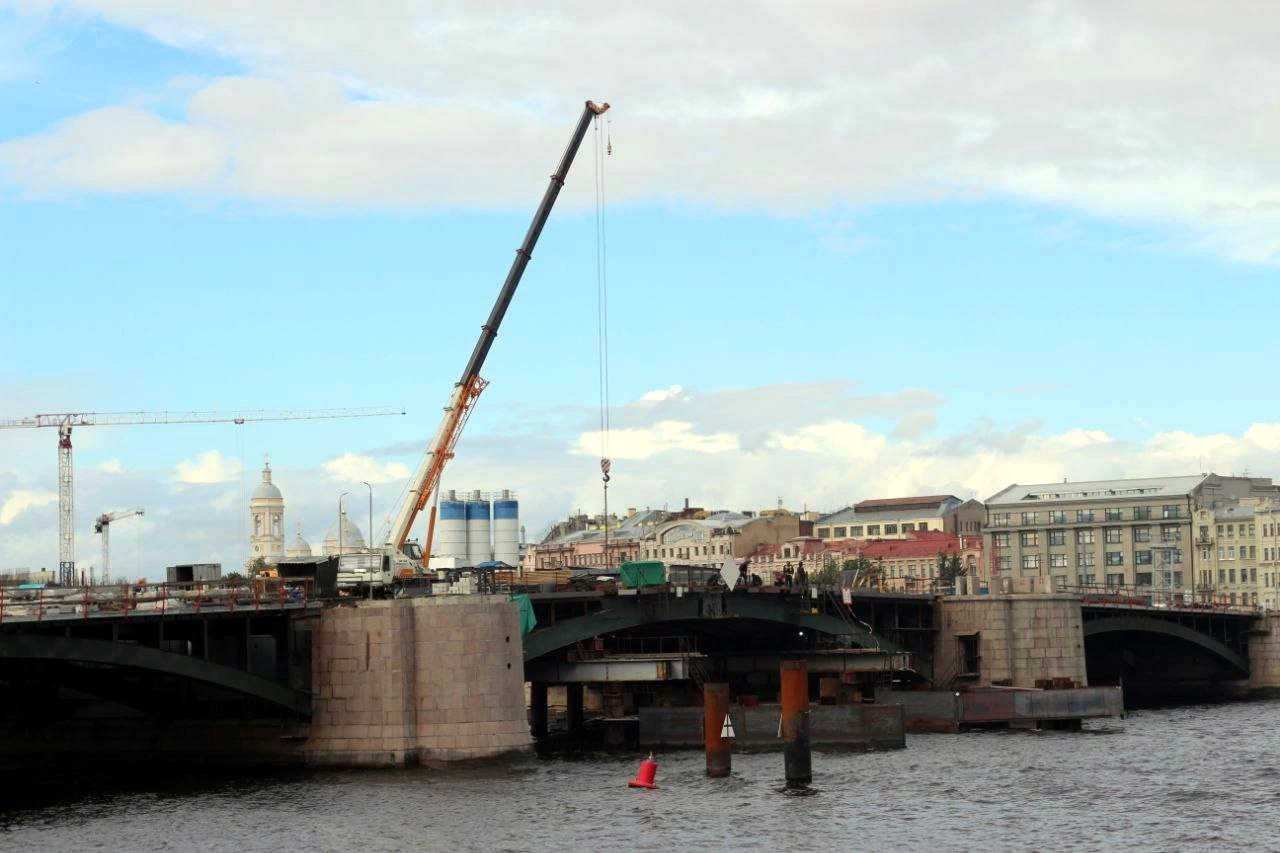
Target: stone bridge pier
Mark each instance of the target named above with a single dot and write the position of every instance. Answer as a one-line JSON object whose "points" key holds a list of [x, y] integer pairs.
{"points": [[407, 681]]}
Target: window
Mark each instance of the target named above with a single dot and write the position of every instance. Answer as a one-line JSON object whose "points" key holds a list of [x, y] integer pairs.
{"points": [[907, 528], [1170, 511], [1142, 534], [1142, 558], [1204, 532], [1222, 552], [1253, 575], [1231, 575], [1219, 531], [1231, 552], [1057, 516], [1088, 579], [1029, 538], [1084, 537], [1113, 514], [1031, 518], [839, 532], [1004, 563], [1058, 561], [1175, 555], [1059, 581], [1084, 515], [1222, 575], [1001, 540], [1115, 579], [873, 530], [1253, 552], [1057, 537], [1000, 519], [1142, 578], [1030, 561], [891, 530], [1141, 513], [971, 660], [855, 531], [1231, 531], [1115, 558], [1251, 533], [1084, 560], [1170, 533], [1112, 535], [824, 532]]}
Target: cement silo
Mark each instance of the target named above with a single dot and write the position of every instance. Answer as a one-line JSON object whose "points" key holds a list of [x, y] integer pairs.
{"points": [[451, 535], [479, 547], [506, 529]]}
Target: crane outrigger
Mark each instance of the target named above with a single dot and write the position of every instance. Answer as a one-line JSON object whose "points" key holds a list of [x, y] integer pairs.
{"points": [[426, 480]]}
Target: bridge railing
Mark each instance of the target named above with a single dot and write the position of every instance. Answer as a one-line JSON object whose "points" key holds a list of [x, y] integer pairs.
{"points": [[162, 598], [1146, 596]]}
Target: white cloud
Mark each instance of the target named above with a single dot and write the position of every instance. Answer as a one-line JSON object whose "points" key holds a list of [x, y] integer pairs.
{"points": [[790, 107], [209, 467], [21, 500], [664, 436], [110, 466], [357, 468]]}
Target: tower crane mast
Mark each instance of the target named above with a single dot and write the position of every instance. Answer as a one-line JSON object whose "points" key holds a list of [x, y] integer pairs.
{"points": [[467, 389], [65, 421], [102, 524]]}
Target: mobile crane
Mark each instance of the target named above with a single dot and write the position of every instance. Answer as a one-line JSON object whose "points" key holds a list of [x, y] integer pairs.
{"points": [[406, 557]]}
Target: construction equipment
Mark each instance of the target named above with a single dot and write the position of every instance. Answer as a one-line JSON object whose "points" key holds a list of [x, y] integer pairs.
{"points": [[102, 524], [64, 422], [467, 390]]}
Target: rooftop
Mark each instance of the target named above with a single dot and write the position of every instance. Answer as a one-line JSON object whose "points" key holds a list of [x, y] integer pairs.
{"points": [[1099, 490]]}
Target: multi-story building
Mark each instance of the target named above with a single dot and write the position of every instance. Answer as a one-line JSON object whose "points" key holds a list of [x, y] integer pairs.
{"points": [[903, 564], [706, 539], [1109, 532], [584, 542], [899, 518]]}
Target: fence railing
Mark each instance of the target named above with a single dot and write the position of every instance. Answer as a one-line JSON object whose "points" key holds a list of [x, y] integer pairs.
{"points": [[161, 599]]}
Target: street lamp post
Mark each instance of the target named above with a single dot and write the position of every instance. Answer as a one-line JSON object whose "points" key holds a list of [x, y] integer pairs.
{"points": [[340, 497], [370, 488]]}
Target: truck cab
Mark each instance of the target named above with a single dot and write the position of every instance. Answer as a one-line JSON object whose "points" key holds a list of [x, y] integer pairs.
{"points": [[364, 574]]}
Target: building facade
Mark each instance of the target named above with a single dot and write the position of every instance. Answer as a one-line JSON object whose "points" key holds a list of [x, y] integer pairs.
{"points": [[1111, 533], [899, 518], [708, 540]]}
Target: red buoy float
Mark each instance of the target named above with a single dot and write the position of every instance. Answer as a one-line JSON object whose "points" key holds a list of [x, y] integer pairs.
{"points": [[645, 775]]}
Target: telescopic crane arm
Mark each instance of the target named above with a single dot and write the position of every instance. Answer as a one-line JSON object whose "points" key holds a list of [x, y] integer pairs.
{"points": [[463, 398]]}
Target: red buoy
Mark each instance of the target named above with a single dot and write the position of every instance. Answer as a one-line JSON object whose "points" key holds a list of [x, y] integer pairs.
{"points": [[645, 775]]}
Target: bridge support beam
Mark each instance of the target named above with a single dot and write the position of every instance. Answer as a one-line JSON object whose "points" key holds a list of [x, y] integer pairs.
{"points": [[715, 710], [1264, 654], [795, 723], [538, 709], [573, 706]]}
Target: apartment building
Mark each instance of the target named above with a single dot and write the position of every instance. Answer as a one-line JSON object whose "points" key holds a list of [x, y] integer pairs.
{"points": [[1135, 532]]}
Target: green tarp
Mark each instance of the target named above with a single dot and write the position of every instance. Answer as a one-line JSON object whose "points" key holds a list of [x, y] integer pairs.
{"points": [[528, 621], [643, 573]]}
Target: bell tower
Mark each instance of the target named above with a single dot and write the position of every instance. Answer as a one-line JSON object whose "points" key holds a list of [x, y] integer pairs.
{"points": [[266, 519]]}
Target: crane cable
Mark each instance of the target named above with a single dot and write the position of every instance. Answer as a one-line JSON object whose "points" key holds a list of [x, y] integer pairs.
{"points": [[603, 148]]}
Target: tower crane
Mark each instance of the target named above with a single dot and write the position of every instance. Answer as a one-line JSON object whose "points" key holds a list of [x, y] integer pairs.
{"points": [[102, 524], [64, 422], [467, 389]]}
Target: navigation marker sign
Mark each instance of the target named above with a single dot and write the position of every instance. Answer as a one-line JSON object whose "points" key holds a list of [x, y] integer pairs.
{"points": [[729, 572], [726, 730]]}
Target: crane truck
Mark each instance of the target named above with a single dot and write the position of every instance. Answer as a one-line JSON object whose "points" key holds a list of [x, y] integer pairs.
{"points": [[403, 558]]}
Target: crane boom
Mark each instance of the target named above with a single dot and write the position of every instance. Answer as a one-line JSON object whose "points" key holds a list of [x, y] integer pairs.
{"points": [[465, 393], [102, 524]]}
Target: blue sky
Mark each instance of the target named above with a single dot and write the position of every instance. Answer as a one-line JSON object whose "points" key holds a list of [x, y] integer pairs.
{"points": [[200, 209]]}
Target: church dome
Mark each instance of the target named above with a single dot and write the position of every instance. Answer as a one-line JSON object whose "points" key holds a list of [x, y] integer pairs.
{"points": [[352, 538], [267, 490], [299, 547]]}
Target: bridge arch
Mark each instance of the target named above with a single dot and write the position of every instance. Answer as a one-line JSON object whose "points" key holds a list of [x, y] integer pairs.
{"points": [[32, 647], [1152, 625], [625, 613]]}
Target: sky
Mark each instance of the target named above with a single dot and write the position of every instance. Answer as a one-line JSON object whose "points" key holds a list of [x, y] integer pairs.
{"points": [[852, 250]]}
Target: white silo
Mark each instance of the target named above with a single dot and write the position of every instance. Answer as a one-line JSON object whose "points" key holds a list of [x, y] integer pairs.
{"points": [[479, 548], [451, 541], [506, 529]]}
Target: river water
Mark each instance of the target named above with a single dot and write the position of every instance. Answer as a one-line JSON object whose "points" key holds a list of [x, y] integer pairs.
{"points": [[1196, 777]]}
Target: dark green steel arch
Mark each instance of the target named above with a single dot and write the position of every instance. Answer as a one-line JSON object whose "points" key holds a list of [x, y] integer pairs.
{"points": [[104, 652], [625, 612], [1151, 625]]}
